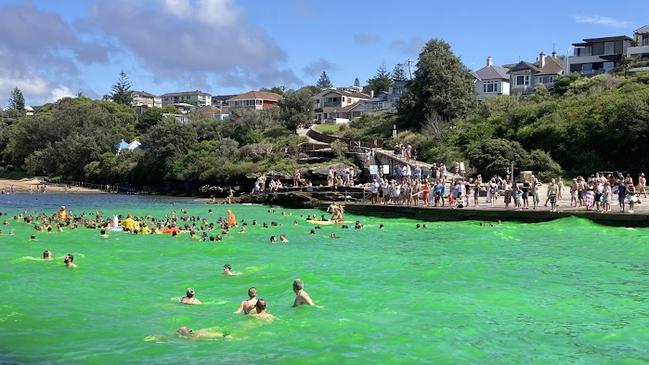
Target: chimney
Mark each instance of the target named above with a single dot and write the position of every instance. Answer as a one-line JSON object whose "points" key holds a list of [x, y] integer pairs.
{"points": [[554, 54], [490, 61], [541, 60], [371, 94]]}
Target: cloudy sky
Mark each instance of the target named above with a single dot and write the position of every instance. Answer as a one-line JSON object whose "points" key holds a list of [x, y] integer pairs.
{"points": [[50, 49]]}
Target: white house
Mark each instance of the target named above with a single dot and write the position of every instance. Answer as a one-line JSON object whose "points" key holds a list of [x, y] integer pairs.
{"points": [[491, 80]]}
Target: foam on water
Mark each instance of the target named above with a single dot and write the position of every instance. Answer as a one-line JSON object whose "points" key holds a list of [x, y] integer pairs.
{"points": [[557, 292]]}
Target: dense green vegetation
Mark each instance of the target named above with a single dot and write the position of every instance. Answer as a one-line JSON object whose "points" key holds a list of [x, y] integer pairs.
{"points": [[75, 138], [584, 125]]}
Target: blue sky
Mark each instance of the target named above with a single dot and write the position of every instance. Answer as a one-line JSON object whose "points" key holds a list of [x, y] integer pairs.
{"points": [[52, 49]]}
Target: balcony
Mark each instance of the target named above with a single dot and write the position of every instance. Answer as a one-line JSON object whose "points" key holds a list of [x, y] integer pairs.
{"points": [[632, 51]]}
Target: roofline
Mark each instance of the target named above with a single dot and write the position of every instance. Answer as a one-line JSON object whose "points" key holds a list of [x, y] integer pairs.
{"points": [[611, 38]]}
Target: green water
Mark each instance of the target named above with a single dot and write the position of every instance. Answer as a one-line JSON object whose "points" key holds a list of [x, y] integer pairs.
{"points": [[566, 291]]}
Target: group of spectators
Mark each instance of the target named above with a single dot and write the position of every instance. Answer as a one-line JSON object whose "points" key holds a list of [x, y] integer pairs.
{"points": [[595, 193]]}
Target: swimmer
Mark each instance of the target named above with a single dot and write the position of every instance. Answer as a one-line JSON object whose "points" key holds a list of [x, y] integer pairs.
{"points": [[301, 296], [190, 298], [424, 226], [262, 312], [312, 231], [68, 260], [203, 333], [358, 225], [265, 225], [273, 240], [295, 223], [103, 234], [381, 226], [47, 255], [418, 226], [249, 304], [333, 235], [32, 237], [282, 237], [227, 270]]}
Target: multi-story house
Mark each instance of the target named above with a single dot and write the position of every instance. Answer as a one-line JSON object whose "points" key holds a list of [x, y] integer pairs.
{"points": [[145, 99], [639, 52], [256, 100], [333, 104], [196, 98], [525, 76], [491, 80], [595, 56]]}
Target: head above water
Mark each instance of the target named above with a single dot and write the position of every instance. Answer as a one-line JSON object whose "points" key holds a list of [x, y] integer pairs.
{"points": [[227, 267], [298, 284], [252, 292], [184, 331], [190, 292], [261, 305], [47, 254], [68, 258]]}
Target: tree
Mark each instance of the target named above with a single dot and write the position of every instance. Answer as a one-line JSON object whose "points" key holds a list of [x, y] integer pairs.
{"points": [[357, 82], [17, 101], [280, 90], [148, 119], [121, 90], [381, 81], [295, 109], [398, 73], [324, 82], [442, 86]]}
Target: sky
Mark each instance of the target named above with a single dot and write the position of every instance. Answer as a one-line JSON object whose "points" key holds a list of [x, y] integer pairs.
{"points": [[52, 49]]}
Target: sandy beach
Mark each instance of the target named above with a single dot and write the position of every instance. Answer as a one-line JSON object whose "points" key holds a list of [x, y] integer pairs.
{"points": [[32, 185]]}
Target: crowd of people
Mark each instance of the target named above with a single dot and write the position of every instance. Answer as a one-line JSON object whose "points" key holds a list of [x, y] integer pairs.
{"points": [[196, 227], [595, 193]]}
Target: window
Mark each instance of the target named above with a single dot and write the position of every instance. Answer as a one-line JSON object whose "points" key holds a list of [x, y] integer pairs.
{"points": [[608, 66], [587, 68], [609, 47], [490, 86], [645, 40], [522, 80], [343, 99], [258, 102], [545, 80]]}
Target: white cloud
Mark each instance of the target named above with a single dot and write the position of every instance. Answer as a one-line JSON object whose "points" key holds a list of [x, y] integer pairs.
{"points": [[60, 92], [211, 12], [602, 20]]}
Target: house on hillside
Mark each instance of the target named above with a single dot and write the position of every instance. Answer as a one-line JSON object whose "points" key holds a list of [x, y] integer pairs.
{"points": [[196, 98], [255, 100], [525, 76], [491, 80], [146, 100], [638, 53], [595, 56], [214, 112], [332, 104]]}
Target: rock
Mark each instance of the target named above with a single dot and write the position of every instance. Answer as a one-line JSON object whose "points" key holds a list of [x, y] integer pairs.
{"points": [[321, 173]]}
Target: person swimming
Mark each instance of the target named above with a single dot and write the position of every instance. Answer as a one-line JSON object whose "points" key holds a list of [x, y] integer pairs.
{"points": [[68, 260], [381, 226], [249, 304], [273, 239], [283, 239], [227, 270], [103, 234], [47, 255], [333, 235], [261, 311], [202, 333], [312, 231], [301, 296], [190, 297]]}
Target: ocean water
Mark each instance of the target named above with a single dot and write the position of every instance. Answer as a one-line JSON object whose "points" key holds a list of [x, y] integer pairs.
{"points": [[567, 291]]}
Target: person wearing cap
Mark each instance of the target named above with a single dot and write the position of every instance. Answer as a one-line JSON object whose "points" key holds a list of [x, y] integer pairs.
{"points": [[301, 296], [190, 297], [62, 214], [249, 304]]}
